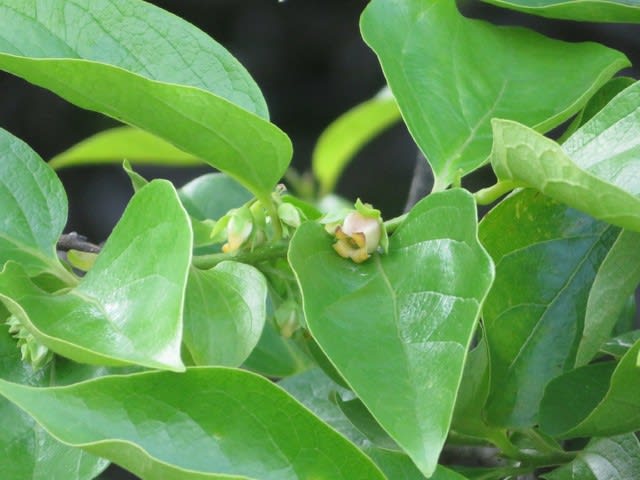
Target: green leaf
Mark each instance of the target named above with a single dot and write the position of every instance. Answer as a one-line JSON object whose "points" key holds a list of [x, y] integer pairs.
{"points": [[616, 280], [547, 256], [341, 140], [116, 75], [212, 195], [128, 308], [26, 450], [618, 346], [34, 209], [133, 35], [137, 180], [315, 390], [275, 355], [597, 102], [449, 95], [526, 158], [612, 458], [360, 417], [422, 319], [214, 423], [123, 143], [623, 11], [224, 313], [613, 411]]}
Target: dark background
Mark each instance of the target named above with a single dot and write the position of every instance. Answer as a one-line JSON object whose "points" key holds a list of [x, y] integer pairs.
{"points": [[312, 65]]}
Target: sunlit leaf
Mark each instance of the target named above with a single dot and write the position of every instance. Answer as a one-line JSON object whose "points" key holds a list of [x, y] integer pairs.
{"points": [[422, 319], [451, 75], [128, 308], [170, 80], [34, 209], [206, 423]]}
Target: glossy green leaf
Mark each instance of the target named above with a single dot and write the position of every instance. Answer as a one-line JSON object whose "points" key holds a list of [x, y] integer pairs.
{"points": [[421, 318], [526, 158], [116, 75], [206, 423], [613, 411], [547, 256], [136, 36], [277, 356], [360, 417], [314, 389], [27, 452], [212, 195], [618, 346], [341, 140], [597, 102], [123, 143], [449, 95], [34, 209], [616, 281], [224, 313], [128, 308], [613, 458], [622, 11]]}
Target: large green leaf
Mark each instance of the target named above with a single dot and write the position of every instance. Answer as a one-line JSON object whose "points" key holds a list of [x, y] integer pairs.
{"points": [[128, 308], [452, 75], [547, 256], [109, 78], [616, 281], [34, 209], [27, 452], [134, 35], [346, 135], [610, 408], [206, 423], [224, 313], [120, 143], [526, 158], [623, 11], [421, 318], [614, 458]]}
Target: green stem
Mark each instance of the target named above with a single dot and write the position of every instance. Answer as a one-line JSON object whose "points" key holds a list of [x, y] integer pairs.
{"points": [[547, 456], [394, 223], [257, 255], [488, 195]]}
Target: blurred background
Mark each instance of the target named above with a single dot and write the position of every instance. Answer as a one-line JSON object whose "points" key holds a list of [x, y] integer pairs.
{"points": [[312, 65]]}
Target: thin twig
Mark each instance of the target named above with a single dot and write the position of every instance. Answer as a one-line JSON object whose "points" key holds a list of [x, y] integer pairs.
{"points": [[74, 241]]}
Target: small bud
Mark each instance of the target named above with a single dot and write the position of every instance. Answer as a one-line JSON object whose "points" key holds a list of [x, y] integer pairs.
{"points": [[238, 229]]}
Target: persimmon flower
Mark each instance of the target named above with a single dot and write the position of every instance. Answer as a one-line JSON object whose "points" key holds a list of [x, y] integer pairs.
{"points": [[361, 233]]}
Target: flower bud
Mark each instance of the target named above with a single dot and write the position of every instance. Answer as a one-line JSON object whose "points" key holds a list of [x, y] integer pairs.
{"points": [[238, 229], [362, 232]]}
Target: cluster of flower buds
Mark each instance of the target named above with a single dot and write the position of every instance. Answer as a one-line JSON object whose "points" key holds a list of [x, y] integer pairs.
{"points": [[32, 351], [358, 233]]}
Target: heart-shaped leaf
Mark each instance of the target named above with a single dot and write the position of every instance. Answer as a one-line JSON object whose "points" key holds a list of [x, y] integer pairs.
{"points": [[349, 133], [128, 308], [605, 411], [623, 11], [421, 318], [92, 60], [206, 423], [224, 313], [34, 209], [611, 458], [451, 75], [547, 256], [120, 143]]}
